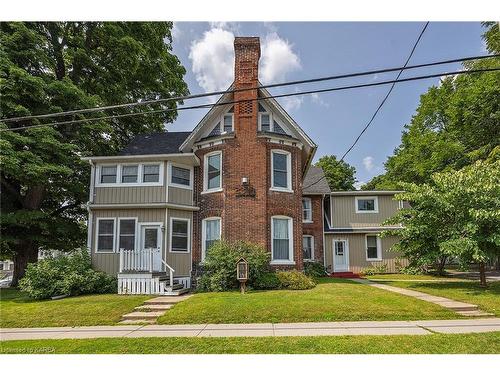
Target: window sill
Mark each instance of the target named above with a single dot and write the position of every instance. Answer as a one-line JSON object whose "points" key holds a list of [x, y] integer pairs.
{"points": [[140, 184], [282, 263], [281, 190], [211, 191], [186, 187], [179, 251], [309, 260], [367, 212], [308, 221], [105, 252], [374, 259]]}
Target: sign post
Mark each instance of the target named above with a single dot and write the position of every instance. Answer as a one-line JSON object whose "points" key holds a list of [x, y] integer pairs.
{"points": [[242, 273]]}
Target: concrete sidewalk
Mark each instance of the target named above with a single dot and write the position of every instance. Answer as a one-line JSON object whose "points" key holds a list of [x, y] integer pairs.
{"points": [[424, 327]]}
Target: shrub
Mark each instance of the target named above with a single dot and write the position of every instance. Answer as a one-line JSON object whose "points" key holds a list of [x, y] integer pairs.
{"points": [[411, 270], [314, 269], [295, 280], [65, 275], [219, 267], [267, 280], [375, 270]]}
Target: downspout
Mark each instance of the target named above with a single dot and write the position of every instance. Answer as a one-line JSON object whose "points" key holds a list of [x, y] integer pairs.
{"points": [[91, 200]]}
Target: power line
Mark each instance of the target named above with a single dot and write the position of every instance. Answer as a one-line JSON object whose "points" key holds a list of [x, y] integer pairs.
{"points": [[381, 103], [341, 88], [213, 93]]}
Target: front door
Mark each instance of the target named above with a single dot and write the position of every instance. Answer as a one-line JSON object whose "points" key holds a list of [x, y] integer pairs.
{"points": [[340, 256], [151, 239]]}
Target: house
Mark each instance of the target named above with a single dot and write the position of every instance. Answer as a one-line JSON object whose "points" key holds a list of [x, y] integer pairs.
{"points": [[243, 173]]}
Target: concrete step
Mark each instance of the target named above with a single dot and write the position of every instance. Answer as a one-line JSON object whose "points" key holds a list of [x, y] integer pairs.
{"points": [[475, 313], [152, 307], [143, 315], [137, 321], [458, 306], [166, 300], [176, 292]]}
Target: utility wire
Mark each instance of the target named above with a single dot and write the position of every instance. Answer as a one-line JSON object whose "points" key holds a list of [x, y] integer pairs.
{"points": [[341, 88], [381, 103], [213, 93]]}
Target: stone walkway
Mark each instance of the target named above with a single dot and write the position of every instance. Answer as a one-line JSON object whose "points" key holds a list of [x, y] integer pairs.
{"points": [[152, 309], [424, 327], [462, 308]]}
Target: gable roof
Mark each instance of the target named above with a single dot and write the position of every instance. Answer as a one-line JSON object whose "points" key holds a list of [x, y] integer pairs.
{"points": [[155, 143], [315, 178]]}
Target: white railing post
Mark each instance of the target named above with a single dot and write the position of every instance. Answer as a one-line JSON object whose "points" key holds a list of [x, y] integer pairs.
{"points": [[171, 278], [121, 260], [151, 259]]}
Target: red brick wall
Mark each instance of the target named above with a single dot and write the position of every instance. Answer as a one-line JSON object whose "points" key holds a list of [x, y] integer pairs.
{"points": [[248, 216], [315, 228]]}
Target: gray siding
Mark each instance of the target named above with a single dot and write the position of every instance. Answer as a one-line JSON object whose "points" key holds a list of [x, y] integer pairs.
{"points": [[357, 252], [345, 216], [180, 196], [130, 194]]}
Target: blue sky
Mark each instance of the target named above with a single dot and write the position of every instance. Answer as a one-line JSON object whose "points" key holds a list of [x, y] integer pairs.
{"points": [[301, 50]]}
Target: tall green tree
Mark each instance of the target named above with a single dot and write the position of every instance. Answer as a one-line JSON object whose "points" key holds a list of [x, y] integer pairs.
{"points": [[456, 123], [338, 173], [457, 215], [50, 67]]}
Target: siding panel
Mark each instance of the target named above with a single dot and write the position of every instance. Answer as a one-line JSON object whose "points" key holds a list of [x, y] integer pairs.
{"points": [[180, 196], [345, 216]]}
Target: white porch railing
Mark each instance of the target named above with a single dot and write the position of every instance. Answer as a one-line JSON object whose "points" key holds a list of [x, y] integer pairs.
{"points": [[141, 260]]}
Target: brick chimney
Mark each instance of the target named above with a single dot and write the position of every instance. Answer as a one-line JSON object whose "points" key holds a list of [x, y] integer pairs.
{"points": [[246, 75]]}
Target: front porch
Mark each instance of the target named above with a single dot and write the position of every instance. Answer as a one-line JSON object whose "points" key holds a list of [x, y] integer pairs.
{"points": [[144, 271]]}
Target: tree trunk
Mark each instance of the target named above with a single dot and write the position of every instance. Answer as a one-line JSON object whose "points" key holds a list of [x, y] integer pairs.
{"points": [[440, 265], [482, 275], [27, 252]]}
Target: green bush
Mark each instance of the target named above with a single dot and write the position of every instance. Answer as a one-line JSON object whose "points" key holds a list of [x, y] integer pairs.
{"points": [[411, 270], [295, 280], [314, 269], [219, 267], [65, 275], [375, 270], [267, 280]]}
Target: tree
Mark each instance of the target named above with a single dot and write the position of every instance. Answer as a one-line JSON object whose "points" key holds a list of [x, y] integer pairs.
{"points": [[456, 123], [338, 173], [457, 215], [50, 67]]}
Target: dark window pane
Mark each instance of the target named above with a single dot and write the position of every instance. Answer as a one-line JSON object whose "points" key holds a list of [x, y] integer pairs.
{"points": [[129, 173], [106, 226], [127, 226], [213, 171], [150, 238], [181, 176], [151, 173], [280, 179], [105, 243], [372, 253], [179, 227], [108, 174], [265, 122], [179, 243], [366, 205], [127, 242], [228, 123], [307, 247], [279, 161]]}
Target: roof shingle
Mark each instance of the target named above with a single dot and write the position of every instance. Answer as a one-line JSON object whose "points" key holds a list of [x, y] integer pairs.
{"points": [[155, 143], [315, 182]]}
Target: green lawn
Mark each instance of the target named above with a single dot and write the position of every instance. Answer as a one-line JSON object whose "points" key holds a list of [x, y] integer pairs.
{"points": [[399, 276], [16, 310], [465, 291], [330, 300], [436, 343]]}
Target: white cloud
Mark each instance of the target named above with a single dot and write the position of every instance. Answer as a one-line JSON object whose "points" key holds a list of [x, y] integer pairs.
{"points": [[176, 31], [278, 59], [358, 184], [212, 59], [291, 103], [316, 99], [368, 163]]}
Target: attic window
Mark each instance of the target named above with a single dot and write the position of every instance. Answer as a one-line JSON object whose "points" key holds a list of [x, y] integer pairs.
{"points": [[265, 122], [227, 123]]}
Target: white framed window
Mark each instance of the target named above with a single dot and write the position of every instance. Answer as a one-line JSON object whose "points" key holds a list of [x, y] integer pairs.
{"points": [[126, 174], [281, 171], [227, 123], [105, 235], [180, 238], [180, 176], [130, 174], [127, 228], [211, 232], [212, 174], [373, 247], [366, 205], [281, 240], [308, 247], [108, 174], [307, 210], [265, 121]]}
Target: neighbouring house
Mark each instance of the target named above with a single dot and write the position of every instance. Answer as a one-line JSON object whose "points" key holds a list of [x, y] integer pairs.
{"points": [[243, 173]]}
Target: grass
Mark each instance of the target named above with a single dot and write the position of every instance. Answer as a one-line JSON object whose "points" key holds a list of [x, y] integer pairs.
{"points": [[330, 300], [435, 344], [17, 310], [465, 291], [399, 276]]}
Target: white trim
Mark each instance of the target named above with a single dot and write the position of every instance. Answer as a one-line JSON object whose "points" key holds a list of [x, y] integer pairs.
{"points": [[143, 205], [203, 233], [366, 192], [92, 181], [375, 204], [379, 248], [171, 164], [308, 221], [118, 232], [312, 246], [346, 254], [97, 235], [89, 230], [140, 176], [151, 157], [288, 189], [205, 172], [188, 235], [221, 123], [290, 259]]}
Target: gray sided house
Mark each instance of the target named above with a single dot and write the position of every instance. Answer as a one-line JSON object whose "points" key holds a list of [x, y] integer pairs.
{"points": [[243, 173]]}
